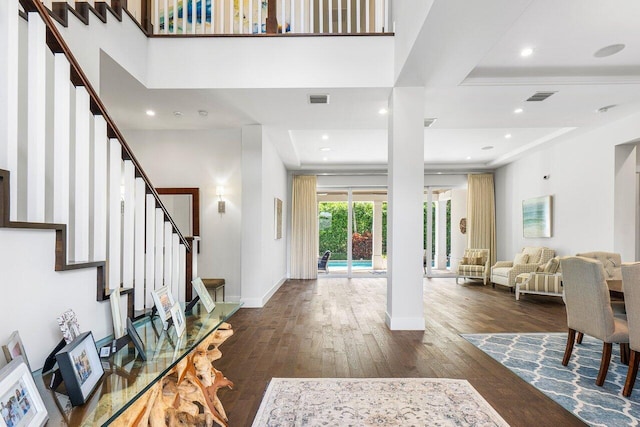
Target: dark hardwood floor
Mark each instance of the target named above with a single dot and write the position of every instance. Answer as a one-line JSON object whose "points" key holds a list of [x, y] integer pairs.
{"points": [[335, 328]]}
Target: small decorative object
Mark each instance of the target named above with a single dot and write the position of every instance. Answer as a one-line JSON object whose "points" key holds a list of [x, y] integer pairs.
{"points": [[463, 225], [14, 348], [137, 342], [69, 325], [178, 319], [536, 217], [277, 214], [163, 301], [105, 351], [20, 401], [203, 293], [80, 368], [116, 316]]}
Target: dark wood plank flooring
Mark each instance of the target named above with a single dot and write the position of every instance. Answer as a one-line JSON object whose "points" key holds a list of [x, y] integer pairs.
{"points": [[335, 328]]}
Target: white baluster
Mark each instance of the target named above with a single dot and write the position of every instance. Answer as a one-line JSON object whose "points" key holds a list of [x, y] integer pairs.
{"points": [[100, 189], [139, 268], [349, 16], [302, 16], [221, 26], [311, 26], [194, 256], [115, 209], [168, 247], [231, 11], [293, 15], [165, 15], [36, 102], [61, 138], [358, 17], [194, 17], [156, 16], [250, 13], [128, 217], [81, 196], [330, 15], [283, 12], [387, 21], [175, 19], [182, 271], [340, 16], [321, 16], [259, 16], [241, 16], [150, 248], [367, 16], [159, 249], [178, 293], [379, 14]]}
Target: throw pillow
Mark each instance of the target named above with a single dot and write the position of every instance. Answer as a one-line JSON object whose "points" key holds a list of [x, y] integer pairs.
{"points": [[464, 261], [477, 261], [551, 266], [520, 259]]}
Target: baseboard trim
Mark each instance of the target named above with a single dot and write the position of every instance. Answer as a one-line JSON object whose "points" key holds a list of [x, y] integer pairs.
{"points": [[260, 302], [404, 323]]}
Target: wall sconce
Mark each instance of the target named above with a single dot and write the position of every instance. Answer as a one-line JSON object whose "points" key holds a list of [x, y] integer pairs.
{"points": [[221, 203]]}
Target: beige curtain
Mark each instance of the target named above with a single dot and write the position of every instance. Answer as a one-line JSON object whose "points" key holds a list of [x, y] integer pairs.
{"points": [[481, 214], [304, 228]]}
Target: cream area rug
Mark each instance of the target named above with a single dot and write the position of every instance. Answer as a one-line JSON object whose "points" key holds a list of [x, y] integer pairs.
{"points": [[374, 402]]}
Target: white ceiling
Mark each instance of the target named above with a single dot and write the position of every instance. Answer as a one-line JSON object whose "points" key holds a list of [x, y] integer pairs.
{"points": [[473, 78]]}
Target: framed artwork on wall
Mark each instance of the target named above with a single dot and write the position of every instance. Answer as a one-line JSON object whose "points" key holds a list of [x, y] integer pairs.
{"points": [[80, 368], [20, 401], [277, 215], [536, 217]]}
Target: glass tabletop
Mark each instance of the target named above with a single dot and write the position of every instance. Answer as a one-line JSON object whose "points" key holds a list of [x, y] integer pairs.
{"points": [[126, 376]]}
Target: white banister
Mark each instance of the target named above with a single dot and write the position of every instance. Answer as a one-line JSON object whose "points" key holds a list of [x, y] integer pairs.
{"points": [[81, 194], [150, 248], [159, 249], [128, 218], [61, 138], [100, 187], [36, 103], [115, 178], [139, 238]]}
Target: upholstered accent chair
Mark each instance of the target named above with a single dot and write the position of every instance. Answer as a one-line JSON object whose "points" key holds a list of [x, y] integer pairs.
{"points": [[546, 280], [323, 262], [631, 287], [505, 272], [474, 264], [589, 310], [611, 262]]}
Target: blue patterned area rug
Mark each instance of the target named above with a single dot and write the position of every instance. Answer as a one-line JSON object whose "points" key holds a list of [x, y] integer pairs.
{"points": [[537, 358], [374, 402]]}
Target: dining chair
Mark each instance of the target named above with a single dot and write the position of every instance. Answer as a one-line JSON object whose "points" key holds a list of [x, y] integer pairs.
{"points": [[589, 309], [631, 288]]}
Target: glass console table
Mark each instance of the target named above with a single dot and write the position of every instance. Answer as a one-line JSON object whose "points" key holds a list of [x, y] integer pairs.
{"points": [[128, 377]]}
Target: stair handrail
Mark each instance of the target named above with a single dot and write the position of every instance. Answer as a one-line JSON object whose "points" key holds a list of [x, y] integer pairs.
{"points": [[56, 43]]}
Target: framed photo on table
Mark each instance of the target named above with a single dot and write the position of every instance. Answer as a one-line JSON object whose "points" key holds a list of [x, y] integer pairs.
{"points": [[14, 348], [80, 368], [204, 294], [179, 320], [164, 301], [116, 316], [20, 402]]}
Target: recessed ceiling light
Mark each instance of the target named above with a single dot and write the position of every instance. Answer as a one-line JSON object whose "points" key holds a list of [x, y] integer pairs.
{"points": [[608, 50], [508, 136], [605, 108], [527, 51], [468, 157], [383, 111], [439, 173], [518, 110], [177, 113], [325, 137], [325, 159], [203, 113], [325, 149], [488, 147], [151, 113]]}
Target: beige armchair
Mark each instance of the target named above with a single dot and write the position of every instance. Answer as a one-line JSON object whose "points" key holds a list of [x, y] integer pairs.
{"points": [[611, 262], [505, 272], [474, 264]]}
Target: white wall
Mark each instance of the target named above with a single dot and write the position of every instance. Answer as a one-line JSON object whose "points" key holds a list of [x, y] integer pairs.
{"points": [[458, 211], [34, 295], [581, 171], [408, 17], [202, 159]]}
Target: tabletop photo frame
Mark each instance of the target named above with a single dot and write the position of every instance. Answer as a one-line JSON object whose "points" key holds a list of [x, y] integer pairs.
{"points": [[14, 348], [80, 368], [179, 320], [20, 400], [135, 338], [203, 293], [116, 313], [163, 299]]}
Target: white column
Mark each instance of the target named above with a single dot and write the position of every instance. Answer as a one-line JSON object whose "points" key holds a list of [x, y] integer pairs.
{"points": [[377, 236], [36, 102], [404, 217], [139, 241], [82, 193], [115, 220], [9, 96], [441, 234], [349, 231], [428, 223], [61, 138], [128, 218], [150, 248], [458, 240], [100, 189]]}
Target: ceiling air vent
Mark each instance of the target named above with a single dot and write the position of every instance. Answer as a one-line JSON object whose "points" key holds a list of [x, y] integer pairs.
{"points": [[429, 122], [318, 99], [540, 96]]}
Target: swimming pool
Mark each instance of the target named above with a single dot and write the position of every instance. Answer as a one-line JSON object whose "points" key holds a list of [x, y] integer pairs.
{"points": [[355, 263]]}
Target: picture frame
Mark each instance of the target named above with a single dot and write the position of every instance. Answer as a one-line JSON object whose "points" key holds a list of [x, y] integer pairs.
{"points": [[116, 313], [179, 320], [20, 401], [536, 217], [69, 326], [14, 348], [203, 293], [277, 216], [163, 299], [80, 367], [135, 338]]}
